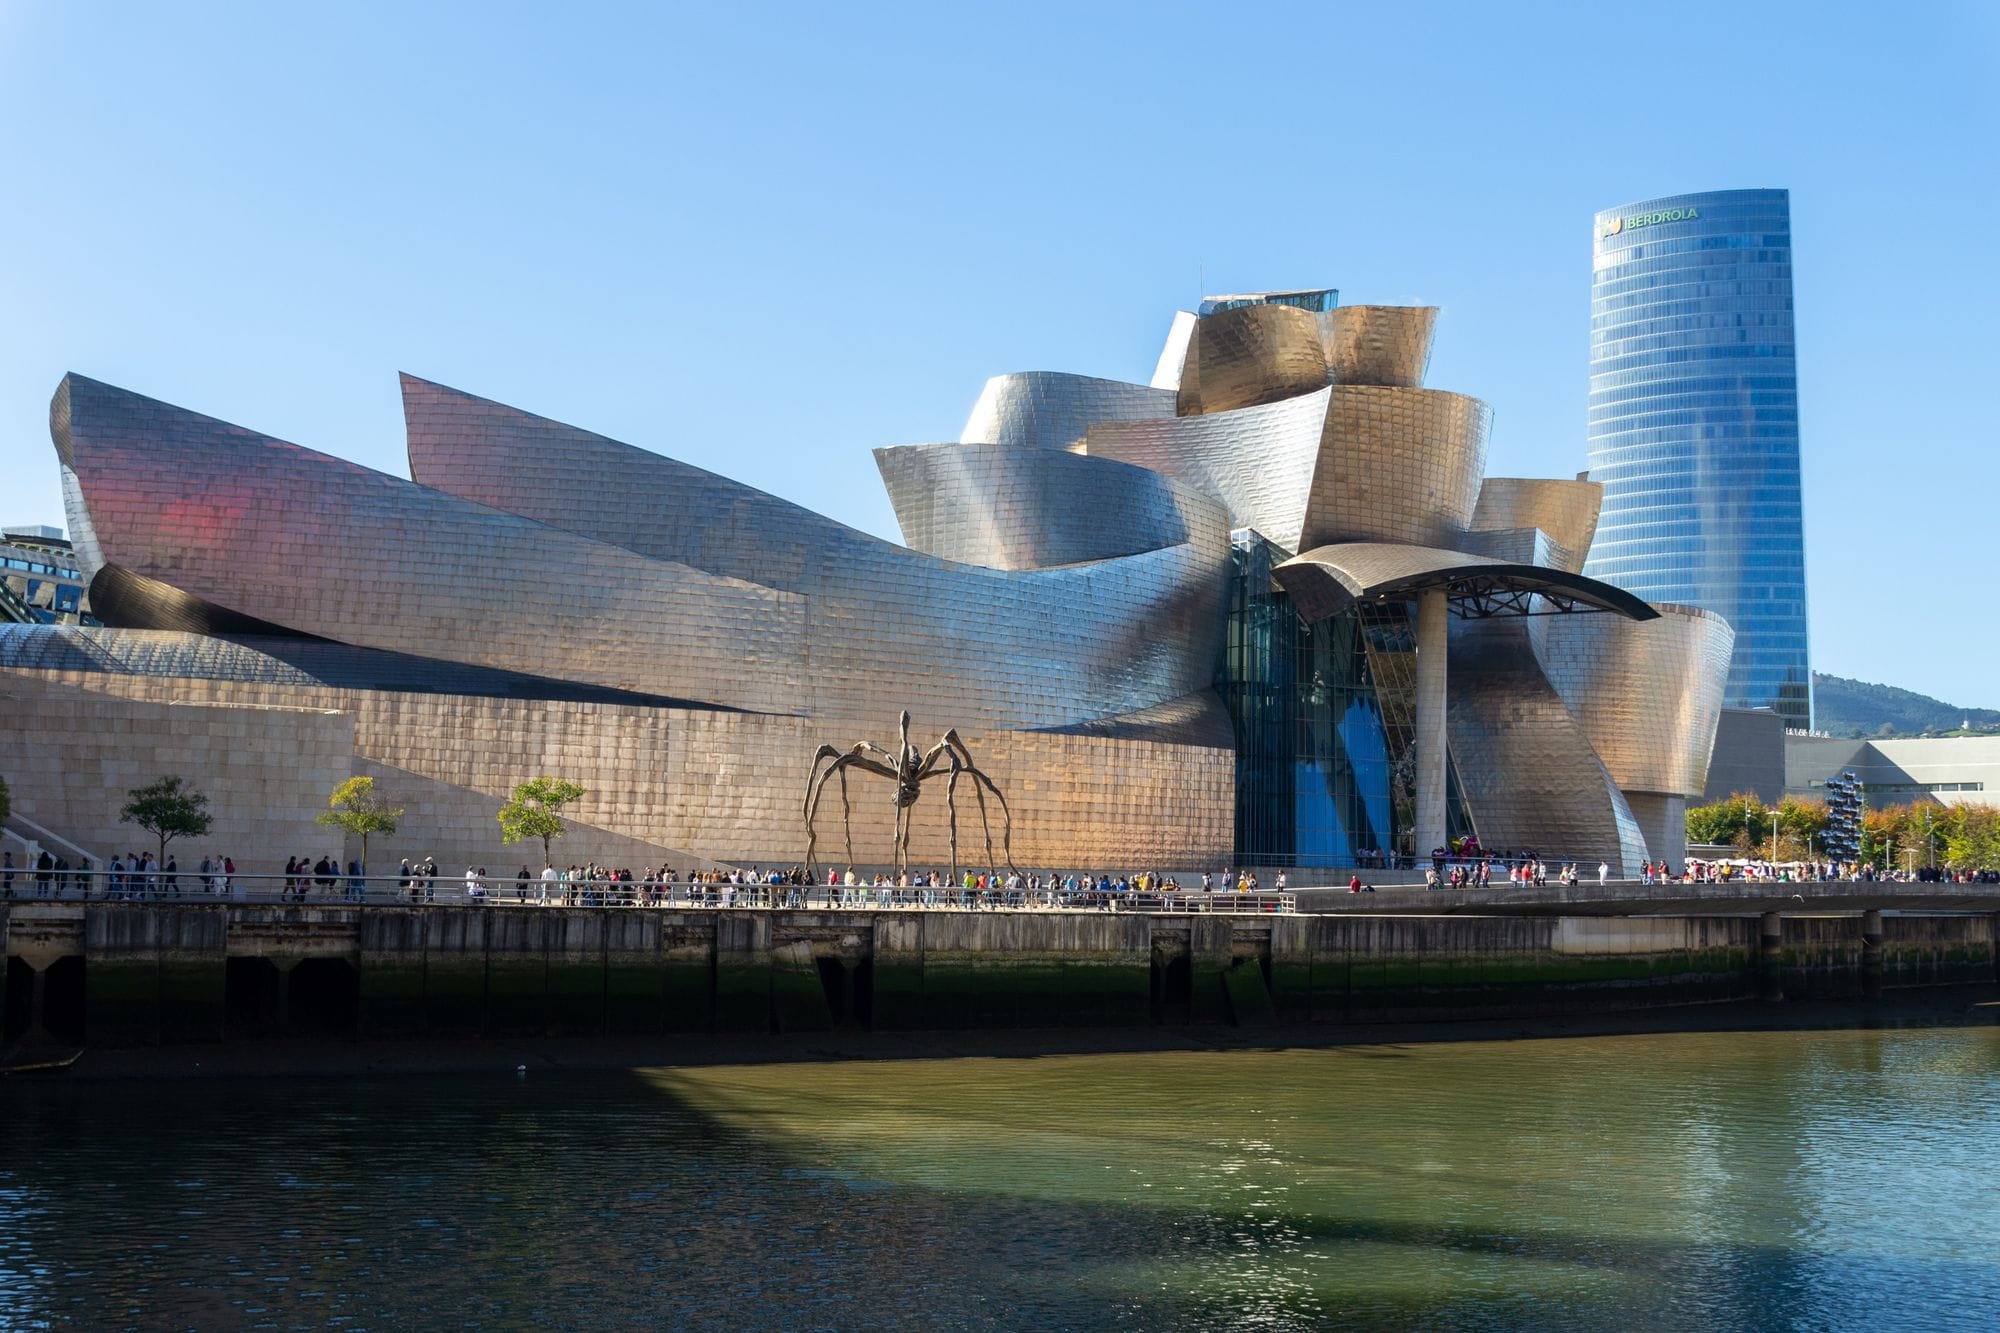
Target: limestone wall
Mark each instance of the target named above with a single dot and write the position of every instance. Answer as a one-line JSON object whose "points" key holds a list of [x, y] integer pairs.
{"points": [[72, 759]]}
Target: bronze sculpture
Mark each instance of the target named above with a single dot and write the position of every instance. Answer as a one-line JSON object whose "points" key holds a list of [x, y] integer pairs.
{"points": [[909, 770]]}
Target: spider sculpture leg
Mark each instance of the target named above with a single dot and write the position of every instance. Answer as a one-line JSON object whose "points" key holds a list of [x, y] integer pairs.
{"points": [[847, 818], [981, 781], [816, 787], [951, 815]]}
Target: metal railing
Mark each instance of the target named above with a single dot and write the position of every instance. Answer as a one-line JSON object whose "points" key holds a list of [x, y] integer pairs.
{"points": [[34, 837], [343, 890]]}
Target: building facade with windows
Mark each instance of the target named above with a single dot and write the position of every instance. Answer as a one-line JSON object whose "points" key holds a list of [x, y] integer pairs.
{"points": [[1951, 770], [1694, 425], [39, 579]]}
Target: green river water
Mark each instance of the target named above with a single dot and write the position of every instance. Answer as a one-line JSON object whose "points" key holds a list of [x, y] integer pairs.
{"points": [[1802, 1180]]}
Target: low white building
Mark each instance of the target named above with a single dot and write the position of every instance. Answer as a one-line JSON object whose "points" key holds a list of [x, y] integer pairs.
{"points": [[1949, 769]]}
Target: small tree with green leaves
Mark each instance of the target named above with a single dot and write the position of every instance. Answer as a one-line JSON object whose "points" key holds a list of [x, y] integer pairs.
{"points": [[535, 811], [355, 808], [168, 809]]}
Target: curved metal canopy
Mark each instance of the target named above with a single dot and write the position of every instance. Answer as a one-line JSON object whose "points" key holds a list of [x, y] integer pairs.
{"points": [[1329, 579]]}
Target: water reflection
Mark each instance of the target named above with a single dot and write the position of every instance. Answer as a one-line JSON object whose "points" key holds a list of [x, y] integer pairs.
{"points": [[1804, 1180]]}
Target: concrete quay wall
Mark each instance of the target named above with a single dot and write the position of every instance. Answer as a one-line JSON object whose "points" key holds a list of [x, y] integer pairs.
{"points": [[125, 974]]}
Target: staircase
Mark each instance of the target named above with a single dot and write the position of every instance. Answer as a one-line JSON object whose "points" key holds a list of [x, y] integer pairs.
{"points": [[26, 836], [13, 610]]}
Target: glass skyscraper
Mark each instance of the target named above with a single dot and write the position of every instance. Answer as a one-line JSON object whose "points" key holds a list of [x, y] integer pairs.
{"points": [[1694, 425]]}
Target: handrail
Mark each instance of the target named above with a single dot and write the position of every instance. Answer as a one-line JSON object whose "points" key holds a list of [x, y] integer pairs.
{"points": [[46, 837], [377, 891], [13, 609]]}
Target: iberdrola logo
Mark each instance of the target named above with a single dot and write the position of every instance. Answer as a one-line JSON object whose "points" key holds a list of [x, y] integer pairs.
{"points": [[1610, 229]]}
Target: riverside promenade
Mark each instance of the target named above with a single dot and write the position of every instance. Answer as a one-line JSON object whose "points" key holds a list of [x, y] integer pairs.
{"points": [[108, 974]]}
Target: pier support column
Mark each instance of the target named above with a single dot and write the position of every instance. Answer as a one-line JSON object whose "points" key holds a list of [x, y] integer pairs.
{"points": [[38, 1006], [1770, 951], [1871, 954], [1433, 645]]}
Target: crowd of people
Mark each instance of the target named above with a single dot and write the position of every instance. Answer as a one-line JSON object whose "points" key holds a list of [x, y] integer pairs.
{"points": [[142, 876], [133, 876], [139, 876], [1826, 872], [592, 885], [1466, 865]]}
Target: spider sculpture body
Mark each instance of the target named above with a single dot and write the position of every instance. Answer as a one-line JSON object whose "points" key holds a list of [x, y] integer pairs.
{"points": [[909, 769]]}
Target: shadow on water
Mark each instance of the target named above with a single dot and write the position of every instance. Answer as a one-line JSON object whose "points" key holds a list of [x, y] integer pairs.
{"points": [[1711, 1180]]}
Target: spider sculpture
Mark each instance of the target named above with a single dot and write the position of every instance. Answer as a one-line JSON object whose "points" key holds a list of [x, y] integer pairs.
{"points": [[909, 770]]}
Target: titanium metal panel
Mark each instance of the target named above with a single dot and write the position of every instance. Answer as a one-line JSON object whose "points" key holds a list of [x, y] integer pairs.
{"points": [[1005, 507], [886, 628], [1042, 409], [286, 536], [1173, 356], [1521, 546], [1198, 720], [1648, 695], [1258, 460], [278, 660], [1250, 355], [1524, 763], [1397, 465], [1380, 344], [1566, 510]]}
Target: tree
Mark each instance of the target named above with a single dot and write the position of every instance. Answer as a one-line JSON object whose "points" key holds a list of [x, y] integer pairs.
{"points": [[1800, 823], [355, 808], [1731, 821], [6, 802], [168, 809], [535, 811]]}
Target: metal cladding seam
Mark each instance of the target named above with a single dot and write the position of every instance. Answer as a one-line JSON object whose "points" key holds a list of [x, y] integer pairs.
{"points": [[1648, 695], [966, 502], [1045, 409], [886, 627], [285, 536]]}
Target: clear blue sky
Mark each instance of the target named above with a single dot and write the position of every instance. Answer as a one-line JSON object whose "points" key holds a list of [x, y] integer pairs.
{"points": [[767, 239]]}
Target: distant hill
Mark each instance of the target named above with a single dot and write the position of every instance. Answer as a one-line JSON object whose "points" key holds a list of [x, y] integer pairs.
{"points": [[1844, 707]]}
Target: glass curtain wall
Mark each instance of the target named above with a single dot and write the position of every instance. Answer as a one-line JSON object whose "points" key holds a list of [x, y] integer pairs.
{"points": [[1312, 759], [1694, 426]]}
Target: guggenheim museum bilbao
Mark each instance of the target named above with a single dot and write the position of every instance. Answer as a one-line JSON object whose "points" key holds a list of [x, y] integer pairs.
{"points": [[1266, 610]]}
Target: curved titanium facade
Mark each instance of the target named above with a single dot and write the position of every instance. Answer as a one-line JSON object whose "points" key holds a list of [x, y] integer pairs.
{"points": [[1380, 344], [286, 536], [878, 619], [1257, 460], [1397, 465], [1565, 510], [1523, 760], [1140, 680], [1009, 508], [1250, 355], [1344, 463], [1694, 425], [1173, 353], [1648, 695], [1043, 409]]}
